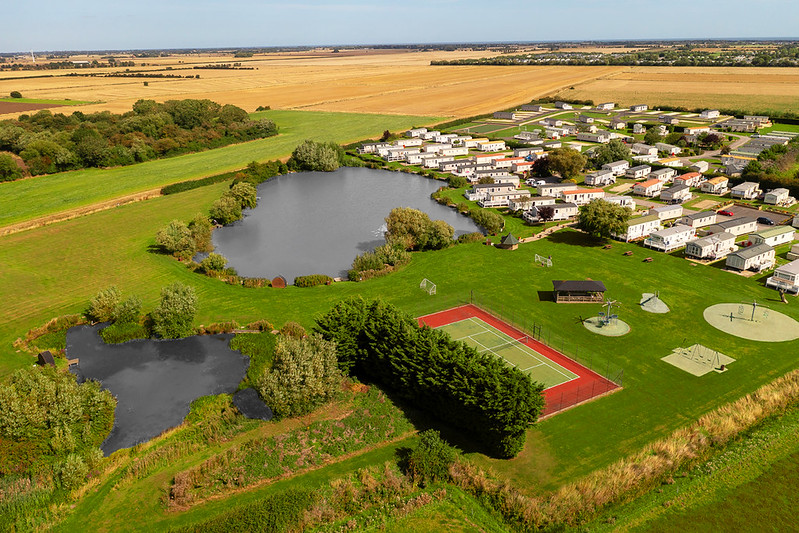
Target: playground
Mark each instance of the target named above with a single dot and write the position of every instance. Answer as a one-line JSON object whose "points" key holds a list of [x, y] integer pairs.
{"points": [[752, 321], [566, 382], [698, 360]]}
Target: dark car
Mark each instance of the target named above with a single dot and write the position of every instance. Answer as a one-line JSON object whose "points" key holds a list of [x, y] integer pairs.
{"points": [[726, 213], [765, 220]]}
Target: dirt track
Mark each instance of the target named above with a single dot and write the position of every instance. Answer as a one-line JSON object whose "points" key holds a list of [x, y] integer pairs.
{"points": [[19, 107]]}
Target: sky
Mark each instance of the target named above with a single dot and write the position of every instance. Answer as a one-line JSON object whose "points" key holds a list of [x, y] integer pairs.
{"points": [[44, 25]]}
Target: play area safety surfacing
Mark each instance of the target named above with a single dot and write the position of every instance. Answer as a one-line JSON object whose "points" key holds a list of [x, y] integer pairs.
{"points": [[753, 322], [486, 338], [612, 327], [698, 360]]}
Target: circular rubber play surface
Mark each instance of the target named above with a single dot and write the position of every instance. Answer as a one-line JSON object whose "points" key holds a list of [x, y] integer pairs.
{"points": [[768, 325], [616, 328], [652, 304]]}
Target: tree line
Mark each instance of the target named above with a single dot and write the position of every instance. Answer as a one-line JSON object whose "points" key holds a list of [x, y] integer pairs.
{"points": [[53, 142], [475, 392]]}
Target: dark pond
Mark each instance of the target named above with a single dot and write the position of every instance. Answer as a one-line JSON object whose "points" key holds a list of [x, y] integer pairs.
{"points": [[317, 222], [154, 381]]}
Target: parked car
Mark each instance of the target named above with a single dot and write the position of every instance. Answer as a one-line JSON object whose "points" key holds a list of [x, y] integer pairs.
{"points": [[765, 220], [726, 213]]}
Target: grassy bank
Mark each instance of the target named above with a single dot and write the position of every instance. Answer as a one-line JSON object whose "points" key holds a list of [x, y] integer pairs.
{"points": [[44, 195]]}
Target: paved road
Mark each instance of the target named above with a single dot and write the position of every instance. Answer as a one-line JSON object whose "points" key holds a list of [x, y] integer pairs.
{"points": [[740, 211]]}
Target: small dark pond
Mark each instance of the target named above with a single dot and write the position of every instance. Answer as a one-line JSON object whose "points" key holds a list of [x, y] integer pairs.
{"points": [[154, 381], [317, 222]]}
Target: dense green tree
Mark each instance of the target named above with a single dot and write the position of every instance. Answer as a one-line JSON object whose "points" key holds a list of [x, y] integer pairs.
{"points": [[244, 193], [9, 170], [213, 263], [128, 310], [615, 150], [488, 220], [15, 94], [312, 155], [652, 136], [603, 219], [429, 462], [566, 162], [102, 308], [456, 182], [226, 210], [303, 376], [174, 315], [177, 239], [201, 228], [414, 230]]}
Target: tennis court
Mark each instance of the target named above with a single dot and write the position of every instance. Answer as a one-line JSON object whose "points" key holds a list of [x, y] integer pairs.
{"points": [[515, 351]]}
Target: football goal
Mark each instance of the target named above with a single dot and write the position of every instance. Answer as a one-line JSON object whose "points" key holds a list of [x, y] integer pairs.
{"points": [[543, 261], [428, 286]]}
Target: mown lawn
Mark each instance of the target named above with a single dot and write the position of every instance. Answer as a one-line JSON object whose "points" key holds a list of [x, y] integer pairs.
{"points": [[44, 195], [56, 269], [41, 101]]}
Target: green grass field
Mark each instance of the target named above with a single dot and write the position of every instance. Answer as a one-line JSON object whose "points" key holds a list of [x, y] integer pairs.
{"points": [[40, 101], [44, 195], [55, 270], [486, 338]]}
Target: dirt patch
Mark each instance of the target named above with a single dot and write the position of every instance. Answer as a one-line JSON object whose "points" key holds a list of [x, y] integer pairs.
{"points": [[705, 204], [19, 107], [624, 187]]}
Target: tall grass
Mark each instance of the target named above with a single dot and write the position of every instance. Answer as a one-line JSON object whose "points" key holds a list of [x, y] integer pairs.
{"points": [[625, 479]]}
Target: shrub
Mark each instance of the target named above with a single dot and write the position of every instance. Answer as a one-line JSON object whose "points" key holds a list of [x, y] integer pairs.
{"points": [[244, 193], [128, 311], [304, 375], [72, 472], [260, 325], [413, 229], [429, 462], [293, 330], [456, 182], [226, 210], [312, 281], [490, 221], [201, 228], [9, 170], [177, 239], [311, 155], [15, 94], [174, 315], [219, 327], [213, 263], [183, 186], [255, 283], [471, 237], [103, 307]]}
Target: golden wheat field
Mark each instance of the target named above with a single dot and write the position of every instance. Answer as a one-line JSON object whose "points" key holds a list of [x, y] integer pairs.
{"points": [[752, 88], [385, 81]]}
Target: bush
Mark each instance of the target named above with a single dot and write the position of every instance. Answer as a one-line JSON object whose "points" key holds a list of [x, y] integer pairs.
{"points": [[213, 263], [200, 228], [260, 325], [128, 311], [103, 307], [218, 328], [173, 317], [244, 193], [293, 330], [183, 186], [255, 283], [471, 237], [429, 462], [456, 182], [311, 155], [226, 210], [490, 221], [73, 471], [414, 230], [15, 94], [9, 170], [476, 392], [312, 281], [304, 375], [177, 239]]}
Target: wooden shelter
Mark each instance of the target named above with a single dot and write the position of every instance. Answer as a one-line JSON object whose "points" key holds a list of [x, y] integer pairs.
{"points": [[578, 291], [508, 242], [45, 358]]}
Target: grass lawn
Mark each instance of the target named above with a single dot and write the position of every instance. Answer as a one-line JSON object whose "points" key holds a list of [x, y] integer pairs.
{"points": [[55, 270], [40, 101], [30, 198], [780, 127]]}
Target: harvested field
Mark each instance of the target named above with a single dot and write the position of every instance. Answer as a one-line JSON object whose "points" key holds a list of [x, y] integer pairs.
{"points": [[21, 107], [401, 82], [753, 89]]}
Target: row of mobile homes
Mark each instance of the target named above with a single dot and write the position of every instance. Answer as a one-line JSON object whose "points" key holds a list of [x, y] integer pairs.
{"points": [[700, 166], [527, 203], [507, 115], [663, 175], [758, 257], [670, 239], [779, 196], [600, 178], [638, 108], [691, 179], [669, 149], [711, 247], [415, 132], [624, 201], [710, 114], [533, 107], [650, 188], [601, 137], [676, 194], [617, 167], [607, 106], [747, 190], [483, 190], [643, 149], [502, 198], [582, 196], [638, 172]]}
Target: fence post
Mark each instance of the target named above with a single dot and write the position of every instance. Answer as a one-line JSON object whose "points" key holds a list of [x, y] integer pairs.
{"points": [[471, 296]]}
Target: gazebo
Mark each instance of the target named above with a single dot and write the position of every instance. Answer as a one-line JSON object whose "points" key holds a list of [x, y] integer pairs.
{"points": [[508, 242], [578, 291]]}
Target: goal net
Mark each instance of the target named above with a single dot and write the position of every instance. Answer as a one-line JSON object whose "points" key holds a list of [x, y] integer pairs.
{"points": [[543, 261], [428, 286]]}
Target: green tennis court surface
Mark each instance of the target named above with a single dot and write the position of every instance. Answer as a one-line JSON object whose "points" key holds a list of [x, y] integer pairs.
{"points": [[486, 338]]}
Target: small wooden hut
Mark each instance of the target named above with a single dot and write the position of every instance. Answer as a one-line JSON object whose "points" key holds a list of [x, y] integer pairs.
{"points": [[508, 242]]}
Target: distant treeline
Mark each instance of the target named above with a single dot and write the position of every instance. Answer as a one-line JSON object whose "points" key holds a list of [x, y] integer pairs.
{"points": [[56, 65], [782, 56], [49, 142], [224, 66]]}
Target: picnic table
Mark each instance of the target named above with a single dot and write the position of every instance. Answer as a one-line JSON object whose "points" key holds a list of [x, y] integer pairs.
{"points": [[628, 252], [648, 260]]}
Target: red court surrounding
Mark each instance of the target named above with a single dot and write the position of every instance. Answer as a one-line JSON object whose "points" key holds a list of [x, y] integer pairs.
{"points": [[589, 385]]}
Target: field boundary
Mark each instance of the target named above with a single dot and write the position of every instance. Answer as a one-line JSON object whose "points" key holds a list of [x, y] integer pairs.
{"points": [[586, 387]]}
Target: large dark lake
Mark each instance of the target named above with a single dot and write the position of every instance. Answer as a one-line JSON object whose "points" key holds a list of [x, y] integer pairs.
{"points": [[317, 222], [154, 381]]}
